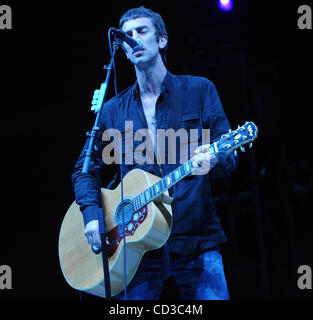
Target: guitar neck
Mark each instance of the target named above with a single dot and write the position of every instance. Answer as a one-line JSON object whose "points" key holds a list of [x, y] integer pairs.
{"points": [[166, 182], [227, 143]]}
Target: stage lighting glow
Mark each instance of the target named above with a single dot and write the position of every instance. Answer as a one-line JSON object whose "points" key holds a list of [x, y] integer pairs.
{"points": [[225, 5]]}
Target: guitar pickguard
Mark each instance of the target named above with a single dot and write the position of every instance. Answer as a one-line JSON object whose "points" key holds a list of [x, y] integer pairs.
{"points": [[115, 235]]}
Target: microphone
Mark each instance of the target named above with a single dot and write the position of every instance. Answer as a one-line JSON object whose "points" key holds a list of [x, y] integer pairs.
{"points": [[136, 45]]}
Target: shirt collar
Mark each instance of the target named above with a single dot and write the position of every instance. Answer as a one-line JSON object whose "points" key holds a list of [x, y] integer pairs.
{"points": [[166, 84]]}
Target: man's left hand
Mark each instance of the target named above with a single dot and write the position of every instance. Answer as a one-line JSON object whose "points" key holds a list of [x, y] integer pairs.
{"points": [[204, 159]]}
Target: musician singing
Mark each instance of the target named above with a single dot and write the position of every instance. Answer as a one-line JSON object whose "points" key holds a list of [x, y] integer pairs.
{"points": [[161, 100]]}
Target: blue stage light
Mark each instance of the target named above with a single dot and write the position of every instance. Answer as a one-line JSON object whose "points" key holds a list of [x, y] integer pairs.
{"points": [[225, 5]]}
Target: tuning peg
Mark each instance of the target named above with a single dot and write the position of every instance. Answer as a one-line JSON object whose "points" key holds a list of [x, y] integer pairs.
{"points": [[250, 145], [235, 153], [242, 149], [229, 130], [96, 93]]}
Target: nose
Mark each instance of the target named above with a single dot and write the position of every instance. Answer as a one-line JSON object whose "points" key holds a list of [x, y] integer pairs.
{"points": [[135, 34]]}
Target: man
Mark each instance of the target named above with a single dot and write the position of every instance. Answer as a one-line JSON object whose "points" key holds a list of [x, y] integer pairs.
{"points": [[161, 100]]}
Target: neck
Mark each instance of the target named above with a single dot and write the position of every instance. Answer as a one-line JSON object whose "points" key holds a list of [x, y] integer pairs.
{"points": [[150, 78]]}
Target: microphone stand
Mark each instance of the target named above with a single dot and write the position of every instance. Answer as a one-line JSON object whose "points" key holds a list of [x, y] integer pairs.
{"points": [[89, 156]]}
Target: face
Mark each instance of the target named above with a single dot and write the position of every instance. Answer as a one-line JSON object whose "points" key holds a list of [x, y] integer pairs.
{"points": [[144, 30]]}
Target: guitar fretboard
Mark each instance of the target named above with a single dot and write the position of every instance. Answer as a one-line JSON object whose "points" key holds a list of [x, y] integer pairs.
{"points": [[164, 184]]}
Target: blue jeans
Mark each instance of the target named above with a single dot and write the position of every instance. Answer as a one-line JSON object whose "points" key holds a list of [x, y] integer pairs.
{"points": [[198, 278]]}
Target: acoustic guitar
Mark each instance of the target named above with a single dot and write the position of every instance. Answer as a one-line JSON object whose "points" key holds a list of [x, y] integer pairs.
{"points": [[147, 222]]}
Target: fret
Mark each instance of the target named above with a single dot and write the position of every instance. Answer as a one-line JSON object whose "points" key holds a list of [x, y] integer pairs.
{"points": [[172, 175], [134, 204], [182, 170], [147, 195], [172, 178], [160, 187], [177, 174], [144, 196], [187, 166], [168, 181], [165, 182], [157, 188], [142, 199], [152, 192], [139, 201], [163, 185]]}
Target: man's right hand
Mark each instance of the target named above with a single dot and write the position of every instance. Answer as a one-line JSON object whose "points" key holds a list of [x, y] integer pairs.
{"points": [[92, 234]]}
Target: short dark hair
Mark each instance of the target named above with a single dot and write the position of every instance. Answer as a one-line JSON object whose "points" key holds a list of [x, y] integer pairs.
{"points": [[156, 19]]}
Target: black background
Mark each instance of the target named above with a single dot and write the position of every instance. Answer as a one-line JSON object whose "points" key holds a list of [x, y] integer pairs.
{"points": [[52, 61]]}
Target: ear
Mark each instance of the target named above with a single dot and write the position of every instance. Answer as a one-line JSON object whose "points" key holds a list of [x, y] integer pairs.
{"points": [[163, 42]]}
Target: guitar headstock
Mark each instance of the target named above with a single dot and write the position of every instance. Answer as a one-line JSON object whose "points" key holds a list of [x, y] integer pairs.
{"points": [[237, 138]]}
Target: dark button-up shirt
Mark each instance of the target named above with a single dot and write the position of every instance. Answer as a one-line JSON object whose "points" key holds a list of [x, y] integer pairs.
{"points": [[185, 102]]}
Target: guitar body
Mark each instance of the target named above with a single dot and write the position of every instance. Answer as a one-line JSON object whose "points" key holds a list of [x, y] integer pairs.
{"points": [[147, 229]]}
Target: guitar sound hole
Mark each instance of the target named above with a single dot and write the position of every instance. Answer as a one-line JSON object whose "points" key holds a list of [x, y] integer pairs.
{"points": [[128, 212]]}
